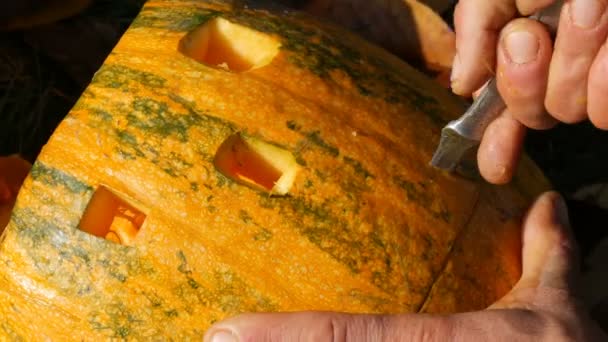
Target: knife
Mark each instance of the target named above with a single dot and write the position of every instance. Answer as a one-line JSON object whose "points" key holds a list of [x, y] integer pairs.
{"points": [[461, 137]]}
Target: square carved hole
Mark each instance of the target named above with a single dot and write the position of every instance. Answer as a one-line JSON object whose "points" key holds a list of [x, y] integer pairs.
{"points": [[256, 163], [111, 217], [222, 44]]}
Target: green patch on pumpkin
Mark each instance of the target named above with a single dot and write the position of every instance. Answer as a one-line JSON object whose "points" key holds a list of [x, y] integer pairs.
{"points": [[53, 177], [309, 47], [118, 76], [353, 248], [419, 193], [229, 294]]}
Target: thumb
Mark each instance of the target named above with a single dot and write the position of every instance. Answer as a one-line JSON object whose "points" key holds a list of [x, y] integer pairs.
{"points": [[549, 255], [549, 251], [327, 326]]}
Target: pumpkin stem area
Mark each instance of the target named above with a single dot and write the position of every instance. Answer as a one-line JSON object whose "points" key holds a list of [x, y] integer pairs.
{"points": [[110, 217], [256, 163], [220, 43]]}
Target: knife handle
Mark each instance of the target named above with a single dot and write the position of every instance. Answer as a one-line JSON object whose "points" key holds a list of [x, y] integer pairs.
{"points": [[486, 107]]}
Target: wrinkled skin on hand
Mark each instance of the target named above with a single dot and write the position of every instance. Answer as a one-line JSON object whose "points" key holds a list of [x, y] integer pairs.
{"points": [[541, 307]]}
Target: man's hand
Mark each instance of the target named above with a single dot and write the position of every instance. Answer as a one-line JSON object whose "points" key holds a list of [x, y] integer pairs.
{"points": [[541, 83], [541, 307]]}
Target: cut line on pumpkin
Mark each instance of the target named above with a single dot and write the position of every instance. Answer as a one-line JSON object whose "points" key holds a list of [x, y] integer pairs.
{"points": [[112, 216], [221, 44], [256, 163]]}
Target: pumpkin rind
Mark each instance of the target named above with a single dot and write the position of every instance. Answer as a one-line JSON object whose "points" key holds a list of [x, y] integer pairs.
{"points": [[368, 225]]}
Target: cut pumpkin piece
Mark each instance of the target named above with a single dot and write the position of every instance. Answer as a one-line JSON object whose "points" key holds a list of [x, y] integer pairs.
{"points": [[220, 43], [256, 163], [109, 216]]}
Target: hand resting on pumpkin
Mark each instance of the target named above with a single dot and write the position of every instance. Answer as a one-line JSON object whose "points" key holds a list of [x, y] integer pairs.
{"points": [[541, 83], [541, 307]]}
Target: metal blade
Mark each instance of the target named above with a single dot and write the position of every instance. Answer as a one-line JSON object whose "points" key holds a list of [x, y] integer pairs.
{"points": [[452, 146]]}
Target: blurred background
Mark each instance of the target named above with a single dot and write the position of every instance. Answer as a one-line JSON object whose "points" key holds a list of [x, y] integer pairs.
{"points": [[49, 50]]}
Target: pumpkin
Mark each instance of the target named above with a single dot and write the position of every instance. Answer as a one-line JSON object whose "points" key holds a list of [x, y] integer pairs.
{"points": [[241, 159]]}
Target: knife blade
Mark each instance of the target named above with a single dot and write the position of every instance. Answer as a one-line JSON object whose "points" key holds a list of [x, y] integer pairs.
{"points": [[460, 136]]}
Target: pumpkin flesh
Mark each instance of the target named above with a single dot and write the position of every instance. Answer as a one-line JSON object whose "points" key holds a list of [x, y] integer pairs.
{"points": [[366, 225]]}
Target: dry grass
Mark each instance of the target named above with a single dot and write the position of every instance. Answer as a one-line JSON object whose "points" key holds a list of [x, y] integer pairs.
{"points": [[42, 75]]}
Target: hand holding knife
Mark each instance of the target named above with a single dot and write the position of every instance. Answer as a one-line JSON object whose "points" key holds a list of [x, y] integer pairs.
{"points": [[464, 134]]}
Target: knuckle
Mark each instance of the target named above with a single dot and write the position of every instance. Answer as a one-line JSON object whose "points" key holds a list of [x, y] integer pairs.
{"points": [[337, 330], [308, 327], [437, 329], [332, 329], [422, 328], [531, 115], [348, 328]]}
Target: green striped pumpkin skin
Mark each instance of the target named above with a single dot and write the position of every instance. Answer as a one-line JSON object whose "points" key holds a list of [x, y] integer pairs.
{"points": [[367, 227]]}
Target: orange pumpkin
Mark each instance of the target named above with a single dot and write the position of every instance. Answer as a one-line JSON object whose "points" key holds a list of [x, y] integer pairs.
{"points": [[226, 160]]}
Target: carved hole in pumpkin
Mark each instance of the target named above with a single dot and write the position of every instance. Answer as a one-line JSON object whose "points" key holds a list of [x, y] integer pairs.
{"points": [[256, 163], [111, 217], [220, 43]]}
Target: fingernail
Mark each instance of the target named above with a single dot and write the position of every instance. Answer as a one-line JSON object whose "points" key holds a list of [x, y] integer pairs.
{"points": [[455, 72], [560, 211], [522, 47], [586, 13], [223, 336]]}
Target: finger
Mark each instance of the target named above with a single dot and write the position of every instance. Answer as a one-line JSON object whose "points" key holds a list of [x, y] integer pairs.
{"points": [[500, 149], [582, 29], [524, 54], [325, 326], [597, 90], [477, 24], [528, 7], [549, 252]]}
